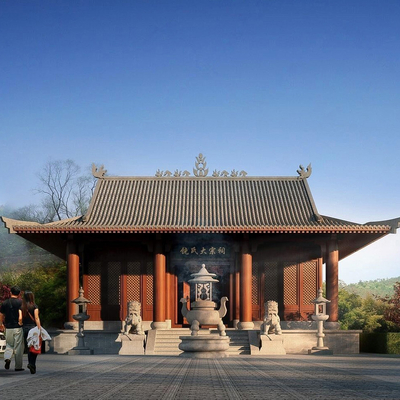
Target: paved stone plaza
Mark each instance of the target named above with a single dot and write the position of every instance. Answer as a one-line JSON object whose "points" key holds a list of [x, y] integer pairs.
{"points": [[148, 377]]}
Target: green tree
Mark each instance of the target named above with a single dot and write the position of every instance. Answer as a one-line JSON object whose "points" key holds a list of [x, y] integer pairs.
{"points": [[367, 314], [392, 311], [347, 302], [48, 283]]}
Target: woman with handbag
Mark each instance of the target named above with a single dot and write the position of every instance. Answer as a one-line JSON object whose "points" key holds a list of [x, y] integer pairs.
{"points": [[30, 319]]}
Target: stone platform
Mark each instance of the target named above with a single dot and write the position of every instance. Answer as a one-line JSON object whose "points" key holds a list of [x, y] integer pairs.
{"points": [[272, 345], [295, 341]]}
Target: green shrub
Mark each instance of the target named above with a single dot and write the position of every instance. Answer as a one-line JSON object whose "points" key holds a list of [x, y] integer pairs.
{"points": [[48, 283], [367, 314], [393, 343], [382, 343]]}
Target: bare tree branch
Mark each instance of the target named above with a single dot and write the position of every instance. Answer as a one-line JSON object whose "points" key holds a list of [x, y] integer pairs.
{"points": [[65, 193]]}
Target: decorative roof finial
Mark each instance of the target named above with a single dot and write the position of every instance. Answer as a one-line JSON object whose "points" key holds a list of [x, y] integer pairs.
{"points": [[200, 170], [304, 173], [98, 172]]}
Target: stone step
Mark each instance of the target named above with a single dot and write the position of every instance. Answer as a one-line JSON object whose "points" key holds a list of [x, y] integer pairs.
{"points": [[238, 352], [167, 345], [239, 342], [237, 348], [167, 341]]}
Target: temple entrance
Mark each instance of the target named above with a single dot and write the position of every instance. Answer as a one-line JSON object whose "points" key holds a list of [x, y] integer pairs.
{"points": [[182, 272], [114, 275]]}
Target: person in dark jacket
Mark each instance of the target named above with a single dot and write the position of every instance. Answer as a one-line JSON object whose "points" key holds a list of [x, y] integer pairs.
{"points": [[10, 319], [30, 319]]}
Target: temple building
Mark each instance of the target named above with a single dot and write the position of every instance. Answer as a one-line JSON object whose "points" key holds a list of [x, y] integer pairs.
{"points": [[143, 237]]}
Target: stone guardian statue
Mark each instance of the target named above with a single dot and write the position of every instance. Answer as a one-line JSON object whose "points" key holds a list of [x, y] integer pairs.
{"points": [[272, 322], [133, 321]]}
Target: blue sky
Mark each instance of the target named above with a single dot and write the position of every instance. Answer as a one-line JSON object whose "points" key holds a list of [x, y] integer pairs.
{"points": [[261, 86]]}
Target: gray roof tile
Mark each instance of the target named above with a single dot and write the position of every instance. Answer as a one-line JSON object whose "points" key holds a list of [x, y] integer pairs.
{"points": [[190, 204]]}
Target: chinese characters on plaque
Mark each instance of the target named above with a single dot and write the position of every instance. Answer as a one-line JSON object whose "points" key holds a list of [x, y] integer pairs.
{"points": [[202, 250]]}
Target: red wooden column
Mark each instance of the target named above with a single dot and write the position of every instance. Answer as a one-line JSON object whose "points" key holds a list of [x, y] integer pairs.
{"points": [[319, 273], [246, 320], [169, 298], [332, 280], [159, 288], [72, 279], [124, 298], [236, 312]]}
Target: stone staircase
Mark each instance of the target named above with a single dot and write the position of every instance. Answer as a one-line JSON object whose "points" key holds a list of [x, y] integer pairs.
{"points": [[166, 341], [239, 343]]}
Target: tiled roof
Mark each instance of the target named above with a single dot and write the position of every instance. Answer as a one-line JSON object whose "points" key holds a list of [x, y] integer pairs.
{"points": [[191, 204], [202, 202]]}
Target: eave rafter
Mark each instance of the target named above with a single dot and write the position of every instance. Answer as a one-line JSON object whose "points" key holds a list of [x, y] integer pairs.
{"points": [[126, 230]]}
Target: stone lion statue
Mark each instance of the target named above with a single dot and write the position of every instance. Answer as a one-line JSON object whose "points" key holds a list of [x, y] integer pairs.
{"points": [[272, 322], [133, 321]]}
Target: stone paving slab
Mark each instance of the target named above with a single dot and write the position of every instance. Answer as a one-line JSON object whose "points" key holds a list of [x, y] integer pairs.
{"points": [[246, 377]]}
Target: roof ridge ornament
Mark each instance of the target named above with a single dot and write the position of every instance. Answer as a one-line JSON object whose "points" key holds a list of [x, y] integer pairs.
{"points": [[200, 171], [225, 174], [178, 173], [217, 174], [200, 164], [98, 172], [304, 173]]}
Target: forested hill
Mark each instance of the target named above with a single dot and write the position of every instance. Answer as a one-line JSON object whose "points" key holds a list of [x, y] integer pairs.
{"points": [[16, 251], [378, 287]]}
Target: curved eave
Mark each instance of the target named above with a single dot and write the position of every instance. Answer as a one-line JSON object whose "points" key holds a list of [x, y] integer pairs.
{"points": [[144, 229], [17, 226]]}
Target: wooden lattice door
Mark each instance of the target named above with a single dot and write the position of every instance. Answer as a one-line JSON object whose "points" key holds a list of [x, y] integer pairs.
{"points": [[112, 277]]}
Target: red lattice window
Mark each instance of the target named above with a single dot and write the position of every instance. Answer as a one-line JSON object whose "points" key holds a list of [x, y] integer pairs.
{"points": [[309, 281], [149, 283], [254, 284], [113, 282], [271, 281], [94, 282], [289, 283], [133, 281]]}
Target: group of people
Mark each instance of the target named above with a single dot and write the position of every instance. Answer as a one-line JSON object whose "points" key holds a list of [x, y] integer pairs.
{"points": [[17, 317]]}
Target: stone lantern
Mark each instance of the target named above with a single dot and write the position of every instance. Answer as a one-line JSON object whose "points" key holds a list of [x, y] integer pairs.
{"points": [[204, 282], [320, 316], [81, 317]]}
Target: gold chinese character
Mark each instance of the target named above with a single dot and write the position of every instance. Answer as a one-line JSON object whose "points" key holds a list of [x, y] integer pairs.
{"points": [[203, 250], [184, 251], [193, 250], [221, 250], [212, 250]]}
